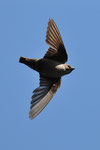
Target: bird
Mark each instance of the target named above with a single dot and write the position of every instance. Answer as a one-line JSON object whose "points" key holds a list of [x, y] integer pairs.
{"points": [[50, 68]]}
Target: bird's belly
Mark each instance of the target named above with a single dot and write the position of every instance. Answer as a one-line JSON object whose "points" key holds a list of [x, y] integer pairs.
{"points": [[51, 68], [52, 73]]}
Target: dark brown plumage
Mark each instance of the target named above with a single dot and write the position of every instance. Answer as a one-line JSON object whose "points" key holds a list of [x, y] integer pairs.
{"points": [[51, 68]]}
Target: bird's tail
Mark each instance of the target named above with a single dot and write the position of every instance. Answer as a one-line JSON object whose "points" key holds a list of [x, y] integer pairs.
{"points": [[32, 63]]}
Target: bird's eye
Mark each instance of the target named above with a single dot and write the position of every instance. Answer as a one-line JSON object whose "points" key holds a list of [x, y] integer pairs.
{"points": [[68, 66]]}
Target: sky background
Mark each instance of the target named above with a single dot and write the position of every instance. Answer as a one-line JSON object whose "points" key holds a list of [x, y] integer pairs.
{"points": [[71, 121]]}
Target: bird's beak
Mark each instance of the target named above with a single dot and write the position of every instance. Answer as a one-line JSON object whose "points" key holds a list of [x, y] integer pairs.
{"points": [[73, 68]]}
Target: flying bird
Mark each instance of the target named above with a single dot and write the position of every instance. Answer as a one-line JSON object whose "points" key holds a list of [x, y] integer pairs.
{"points": [[50, 68]]}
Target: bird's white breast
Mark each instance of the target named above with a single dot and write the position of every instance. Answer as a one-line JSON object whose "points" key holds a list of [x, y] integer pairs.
{"points": [[60, 67]]}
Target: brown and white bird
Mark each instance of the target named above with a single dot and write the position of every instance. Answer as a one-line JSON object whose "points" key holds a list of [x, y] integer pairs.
{"points": [[51, 68]]}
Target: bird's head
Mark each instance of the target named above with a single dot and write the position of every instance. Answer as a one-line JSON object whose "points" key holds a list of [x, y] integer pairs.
{"points": [[68, 68]]}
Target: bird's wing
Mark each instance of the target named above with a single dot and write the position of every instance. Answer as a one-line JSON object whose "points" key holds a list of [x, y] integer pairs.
{"points": [[57, 50], [43, 94]]}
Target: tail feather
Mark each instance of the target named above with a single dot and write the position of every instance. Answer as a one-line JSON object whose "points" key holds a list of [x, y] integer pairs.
{"points": [[32, 63], [22, 59]]}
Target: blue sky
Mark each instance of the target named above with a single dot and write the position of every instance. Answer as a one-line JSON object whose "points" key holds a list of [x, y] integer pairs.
{"points": [[72, 118]]}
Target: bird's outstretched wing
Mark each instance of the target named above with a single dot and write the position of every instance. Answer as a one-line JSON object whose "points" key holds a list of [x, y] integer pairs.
{"points": [[57, 50], [43, 94]]}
